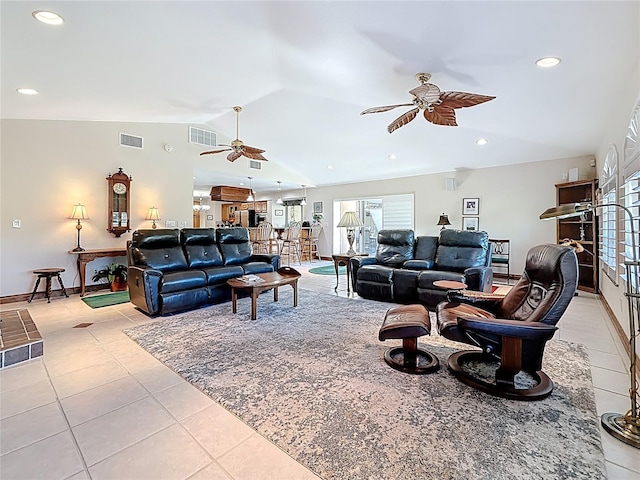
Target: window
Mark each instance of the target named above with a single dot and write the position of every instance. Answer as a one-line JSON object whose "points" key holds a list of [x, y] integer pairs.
{"points": [[384, 212], [608, 238], [631, 194]]}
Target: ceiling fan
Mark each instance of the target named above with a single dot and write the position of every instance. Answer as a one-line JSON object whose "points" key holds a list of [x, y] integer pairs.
{"points": [[439, 107], [237, 147]]}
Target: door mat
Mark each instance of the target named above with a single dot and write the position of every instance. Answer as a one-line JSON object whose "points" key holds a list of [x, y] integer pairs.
{"points": [[328, 270], [106, 299]]}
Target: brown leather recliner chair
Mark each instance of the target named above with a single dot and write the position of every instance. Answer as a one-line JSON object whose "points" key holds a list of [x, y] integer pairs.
{"points": [[512, 331]]}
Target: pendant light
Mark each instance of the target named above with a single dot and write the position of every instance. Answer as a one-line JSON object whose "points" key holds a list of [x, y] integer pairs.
{"points": [[279, 200], [304, 199], [250, 198]]}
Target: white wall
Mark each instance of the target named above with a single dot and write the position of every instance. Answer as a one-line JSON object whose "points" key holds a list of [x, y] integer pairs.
{"points": [[48, 166], [511, 201]]}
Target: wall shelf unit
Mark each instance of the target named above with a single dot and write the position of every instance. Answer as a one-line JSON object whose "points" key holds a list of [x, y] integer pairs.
{"points": [[583, 229]]}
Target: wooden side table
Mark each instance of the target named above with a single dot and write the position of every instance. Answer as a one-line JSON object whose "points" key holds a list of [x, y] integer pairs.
{"points": [[343, 259]]}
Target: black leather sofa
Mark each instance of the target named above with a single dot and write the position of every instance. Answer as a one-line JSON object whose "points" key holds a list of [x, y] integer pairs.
{"points": [[172, 270], [405, 266]]}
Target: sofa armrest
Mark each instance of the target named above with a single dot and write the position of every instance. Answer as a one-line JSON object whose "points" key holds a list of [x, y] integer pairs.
{"points": [[273, 259], [418, 265], [534, 331], [144, 288], [490, 303], [479, 279]]}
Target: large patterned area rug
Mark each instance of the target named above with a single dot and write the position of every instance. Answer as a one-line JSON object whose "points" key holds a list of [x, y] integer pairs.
{"points": [[312, 379]]}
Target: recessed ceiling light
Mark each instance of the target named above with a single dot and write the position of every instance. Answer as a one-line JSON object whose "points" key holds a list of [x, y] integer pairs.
{"points": [[27, 91], [241, 183], [50, 18], [547, 62], [392, 156], [329, 167], [482, 141]]}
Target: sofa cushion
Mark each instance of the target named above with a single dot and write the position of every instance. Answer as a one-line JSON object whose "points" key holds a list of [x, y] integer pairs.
{"points": [[418, 264], [427, 277], [425, 248], [257, 267], [216, 275], [184, 280], [375, 273], [200, 247], [234, 244], [395, 247], [158, 249], [459, 250]]}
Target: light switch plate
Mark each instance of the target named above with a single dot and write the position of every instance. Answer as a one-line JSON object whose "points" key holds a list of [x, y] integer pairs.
{"points": [[17, 223]]}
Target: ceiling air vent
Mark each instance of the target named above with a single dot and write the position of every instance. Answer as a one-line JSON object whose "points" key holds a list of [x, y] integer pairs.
{"points": [[127, 140], [255, 164], [202, 137]]}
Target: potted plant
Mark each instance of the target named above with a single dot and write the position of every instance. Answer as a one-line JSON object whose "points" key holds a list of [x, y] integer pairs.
{"points": [[114, 274]]}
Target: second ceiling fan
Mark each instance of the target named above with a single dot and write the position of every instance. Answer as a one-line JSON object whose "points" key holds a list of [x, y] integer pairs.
{"points": [[439, 107], [237, 147]]}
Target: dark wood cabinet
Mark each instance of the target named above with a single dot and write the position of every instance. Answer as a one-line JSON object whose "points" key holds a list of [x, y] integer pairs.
{"points": [[583, 229]]}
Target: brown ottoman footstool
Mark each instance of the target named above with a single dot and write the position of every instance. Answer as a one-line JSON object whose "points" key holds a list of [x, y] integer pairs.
{"points": [[408, 322]]}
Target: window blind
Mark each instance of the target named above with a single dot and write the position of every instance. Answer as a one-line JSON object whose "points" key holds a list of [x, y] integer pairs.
{"points": [[608, 216], [397, 212]]}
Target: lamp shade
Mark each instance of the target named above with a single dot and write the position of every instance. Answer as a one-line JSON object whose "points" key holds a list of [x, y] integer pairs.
{"points": [[153, 214], [566, 211], [79, 212], [350, 220], [444, 220]]}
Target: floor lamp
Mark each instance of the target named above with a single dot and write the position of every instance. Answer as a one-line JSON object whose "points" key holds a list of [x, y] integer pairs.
{"points": [[624, 427]]}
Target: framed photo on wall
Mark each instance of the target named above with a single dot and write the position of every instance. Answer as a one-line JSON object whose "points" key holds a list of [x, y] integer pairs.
{"points": [[470, 206], [278, 213], [471, 224], [209, 217], [317, 207]]}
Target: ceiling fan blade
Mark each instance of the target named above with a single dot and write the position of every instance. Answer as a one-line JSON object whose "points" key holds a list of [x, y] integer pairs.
{"points": [[441, 115], [253, 154], [428, 93], [215, 151], [463, 99], [233, 156], [385, 108], [403, 120], [253, 149]]}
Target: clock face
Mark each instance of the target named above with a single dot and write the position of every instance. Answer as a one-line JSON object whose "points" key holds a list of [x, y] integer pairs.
{"points": [[119, 188]]}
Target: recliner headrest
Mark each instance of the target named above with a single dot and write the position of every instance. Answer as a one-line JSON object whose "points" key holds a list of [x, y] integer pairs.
{"points": [[159, 238], [198, 236], [232, 235], [396, 237], [463, 238]]}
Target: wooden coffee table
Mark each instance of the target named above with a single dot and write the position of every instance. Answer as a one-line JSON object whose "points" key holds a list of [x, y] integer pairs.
{"points": [[284, 276]]}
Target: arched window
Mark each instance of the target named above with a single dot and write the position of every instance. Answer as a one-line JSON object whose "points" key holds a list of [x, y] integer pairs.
{"points": [[608, 251]]}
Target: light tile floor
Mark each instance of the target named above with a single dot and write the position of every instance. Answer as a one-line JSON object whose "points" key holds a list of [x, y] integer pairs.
{"points": [[98, 406]]}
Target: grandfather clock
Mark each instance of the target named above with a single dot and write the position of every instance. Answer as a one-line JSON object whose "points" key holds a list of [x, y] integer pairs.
{"points": [[119, 203]]}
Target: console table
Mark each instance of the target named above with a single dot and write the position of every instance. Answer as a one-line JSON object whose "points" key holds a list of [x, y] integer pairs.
{"points": [[87, 256]]}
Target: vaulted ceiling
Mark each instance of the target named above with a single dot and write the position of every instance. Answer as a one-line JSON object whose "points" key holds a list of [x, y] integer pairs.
{"points": [[303, 72]]}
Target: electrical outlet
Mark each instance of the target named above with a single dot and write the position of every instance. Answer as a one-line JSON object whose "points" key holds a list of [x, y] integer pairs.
{"points": [[183, 225], [17, 223]]}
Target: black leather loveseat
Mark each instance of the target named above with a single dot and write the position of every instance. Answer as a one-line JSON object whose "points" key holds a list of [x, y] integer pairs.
{"points": [[405, 266], [171, 270]]}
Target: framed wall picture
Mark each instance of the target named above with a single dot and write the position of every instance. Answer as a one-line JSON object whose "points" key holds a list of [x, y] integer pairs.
{"points": [[209, 217], [278, 213], [317, 207], [470, 206], [471, 224]]}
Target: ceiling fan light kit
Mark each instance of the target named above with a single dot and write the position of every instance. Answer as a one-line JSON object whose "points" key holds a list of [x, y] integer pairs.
{"points": [[237, 147], [438, 107]]}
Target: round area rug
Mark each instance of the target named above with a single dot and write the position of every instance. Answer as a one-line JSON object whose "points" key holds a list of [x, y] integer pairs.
{"points": [[328, 270]]}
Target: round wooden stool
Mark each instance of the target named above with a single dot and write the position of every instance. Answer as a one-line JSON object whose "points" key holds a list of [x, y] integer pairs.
{"points": [[47, 274]]}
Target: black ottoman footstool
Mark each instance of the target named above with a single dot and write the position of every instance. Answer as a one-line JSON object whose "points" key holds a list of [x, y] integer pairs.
{"points": [[408, 322]]}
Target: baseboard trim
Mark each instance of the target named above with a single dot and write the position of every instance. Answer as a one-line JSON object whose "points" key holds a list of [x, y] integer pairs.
{"points": [[23, 297], [620, 331]]}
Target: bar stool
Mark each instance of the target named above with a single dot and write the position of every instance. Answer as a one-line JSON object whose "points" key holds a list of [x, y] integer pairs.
{"points": [[47, 274]]}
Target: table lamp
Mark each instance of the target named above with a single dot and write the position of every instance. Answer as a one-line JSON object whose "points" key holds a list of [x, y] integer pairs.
{"points": [[623, 426], [444, 220], [79, 213], [351, 221], [153, 215]]}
